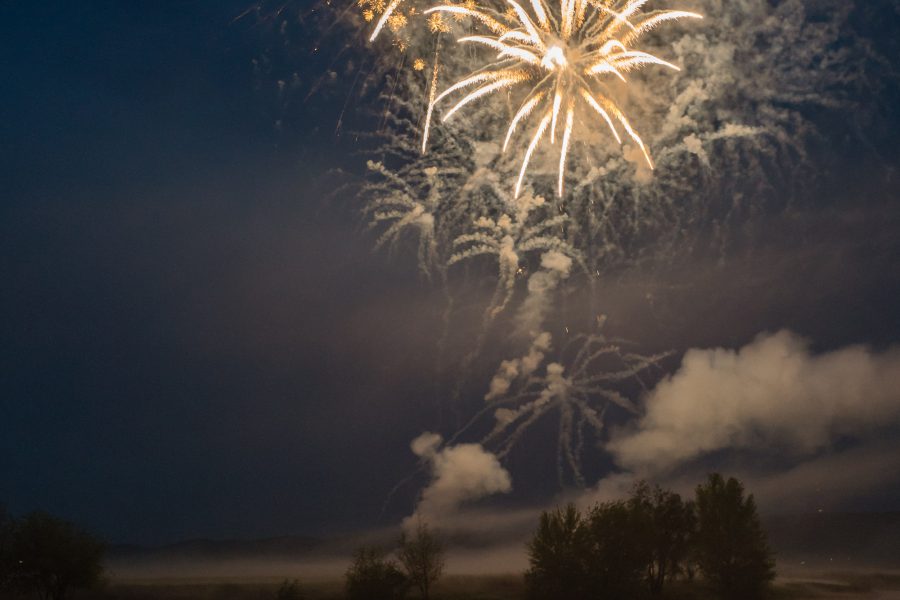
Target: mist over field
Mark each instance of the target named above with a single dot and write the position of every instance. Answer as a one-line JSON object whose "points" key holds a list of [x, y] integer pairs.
{"points": [[806, 545]]}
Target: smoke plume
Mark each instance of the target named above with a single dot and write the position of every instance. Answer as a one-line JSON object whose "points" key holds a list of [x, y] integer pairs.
{"points": [[773, 392], [459, 474]]}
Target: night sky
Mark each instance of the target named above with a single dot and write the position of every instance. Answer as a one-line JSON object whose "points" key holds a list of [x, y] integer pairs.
{"points": [[197, 340]]}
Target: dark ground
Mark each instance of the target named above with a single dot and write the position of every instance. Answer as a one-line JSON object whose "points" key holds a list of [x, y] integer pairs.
{"points": [[796, 586]]}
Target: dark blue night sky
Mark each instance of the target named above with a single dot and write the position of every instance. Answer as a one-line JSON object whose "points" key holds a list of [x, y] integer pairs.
{"points": [[170, 362], [197, 342]]}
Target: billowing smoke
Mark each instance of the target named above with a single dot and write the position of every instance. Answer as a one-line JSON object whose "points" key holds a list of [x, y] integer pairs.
{"points": [[555, 267], [459, 474], [512, 369], [774, 392]]}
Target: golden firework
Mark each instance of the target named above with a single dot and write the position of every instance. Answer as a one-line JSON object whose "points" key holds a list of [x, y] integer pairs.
{"points": [[563, 54]]}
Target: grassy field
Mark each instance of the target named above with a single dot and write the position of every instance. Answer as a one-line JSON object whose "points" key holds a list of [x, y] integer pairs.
{"points": [[834, 586]]}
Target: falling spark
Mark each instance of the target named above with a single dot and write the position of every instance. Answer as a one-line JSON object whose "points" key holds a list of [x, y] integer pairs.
{"points": [[563, 53]]}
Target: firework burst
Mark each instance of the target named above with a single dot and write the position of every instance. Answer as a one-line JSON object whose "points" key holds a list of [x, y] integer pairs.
{"points": [[580, 386], [562, 55]]}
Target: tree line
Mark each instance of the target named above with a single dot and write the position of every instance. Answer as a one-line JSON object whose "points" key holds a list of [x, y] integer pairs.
{"points": [[635, 548], [631, 549]]}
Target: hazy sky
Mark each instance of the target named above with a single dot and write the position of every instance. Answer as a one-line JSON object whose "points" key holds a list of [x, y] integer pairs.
{"points": [[195, 342]]}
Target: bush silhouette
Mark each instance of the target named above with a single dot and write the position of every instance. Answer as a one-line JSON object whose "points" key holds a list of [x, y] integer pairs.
{"points": [[373, 577], [422, 557], [290, 590], [731, 547]]}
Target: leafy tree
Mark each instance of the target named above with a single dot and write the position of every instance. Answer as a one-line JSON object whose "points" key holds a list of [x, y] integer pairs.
{"points": [[601, 555], [688, 567], [53, 557], [373, 577], [619, 551], [665, 524], [731, 545], [422, 557], [558, 554]]}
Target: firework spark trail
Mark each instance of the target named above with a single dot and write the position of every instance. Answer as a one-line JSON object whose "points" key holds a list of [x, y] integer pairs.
{"points": [[340, 121], [432, 90], [561, 57], [422, 195], [580, 386], [511, 238], [402, 212]]}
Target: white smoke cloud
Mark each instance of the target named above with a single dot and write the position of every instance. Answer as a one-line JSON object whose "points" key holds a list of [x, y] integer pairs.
{"points": [[459, 474], [772, 392], [555, 267], [510, 370], [427, 444]]}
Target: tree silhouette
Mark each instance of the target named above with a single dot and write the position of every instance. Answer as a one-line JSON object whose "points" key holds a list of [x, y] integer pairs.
{"points": [[558, 554], [422, 557], [731, 545], [53, 557], [665, 523], [601, 555], [631, 549], [620, 551], [6, 539]]}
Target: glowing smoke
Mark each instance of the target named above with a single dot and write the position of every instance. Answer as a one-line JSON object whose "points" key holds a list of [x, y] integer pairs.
{"points": [[459, 474], [510, 370], [555, 268], [771, 393]]}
